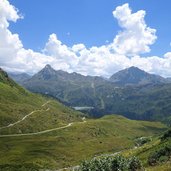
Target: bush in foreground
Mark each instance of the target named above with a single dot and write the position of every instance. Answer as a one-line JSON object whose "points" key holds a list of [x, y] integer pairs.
{"points": [[161, 155], [118, 163], [166, 135]]}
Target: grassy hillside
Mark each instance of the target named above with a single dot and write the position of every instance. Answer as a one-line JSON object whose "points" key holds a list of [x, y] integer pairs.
{"points": [[154, 155], [16, 103], [151, 153], [69, 146], [37, 132]]}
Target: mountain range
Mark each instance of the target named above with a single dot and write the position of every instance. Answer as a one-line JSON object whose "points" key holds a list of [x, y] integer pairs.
{"points": [[128, 76], [40, 133], [132, 92]]}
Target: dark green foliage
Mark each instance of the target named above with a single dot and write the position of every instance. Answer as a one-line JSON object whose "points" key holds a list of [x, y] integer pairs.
{"points": [[118, 163], [134, 164], [142, 140], [161, 155], [96, 165], [166, 135]]}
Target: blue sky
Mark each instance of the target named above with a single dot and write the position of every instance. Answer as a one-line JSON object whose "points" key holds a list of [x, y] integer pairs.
{"points": [[87, 21], [91, 37]]}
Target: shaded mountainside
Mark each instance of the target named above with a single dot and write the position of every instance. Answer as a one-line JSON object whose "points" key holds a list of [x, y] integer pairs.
{"points": [[149, 101], [19, 77], [72, 88], [135, 76]]}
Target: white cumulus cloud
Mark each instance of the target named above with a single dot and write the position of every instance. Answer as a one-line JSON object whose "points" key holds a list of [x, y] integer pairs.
{"points": [[135, 37], [125, 50], [9, 43]]}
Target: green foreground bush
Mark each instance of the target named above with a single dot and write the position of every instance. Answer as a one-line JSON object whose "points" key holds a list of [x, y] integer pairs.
{"points": [[161, 155], [119, 163]]}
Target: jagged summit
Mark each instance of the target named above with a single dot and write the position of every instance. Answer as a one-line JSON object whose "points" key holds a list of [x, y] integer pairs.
{"points": [[133, 68], [134, 75], [46, 73], [48, 66]]}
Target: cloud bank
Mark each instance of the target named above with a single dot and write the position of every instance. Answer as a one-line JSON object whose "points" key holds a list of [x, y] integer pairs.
{"points": [[134, 39]]}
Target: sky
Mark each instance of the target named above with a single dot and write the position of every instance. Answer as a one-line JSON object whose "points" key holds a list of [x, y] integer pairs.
{"points": [[90, 37]]}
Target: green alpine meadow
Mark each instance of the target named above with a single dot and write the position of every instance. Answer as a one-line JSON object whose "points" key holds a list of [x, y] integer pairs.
{"points": [[39, 132], [85, 85]]}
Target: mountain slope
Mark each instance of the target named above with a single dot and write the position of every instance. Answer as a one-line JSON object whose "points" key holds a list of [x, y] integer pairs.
{"points": [[149, 102], [147, 98], [71, 88], [16, 103], [4, 78], [19, 77], [135, 76], [155, 155], [40, 133], [68, 147], [150, 153]]}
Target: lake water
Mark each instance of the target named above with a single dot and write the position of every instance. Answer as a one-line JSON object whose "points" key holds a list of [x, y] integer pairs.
{"points": [[83, 107]]}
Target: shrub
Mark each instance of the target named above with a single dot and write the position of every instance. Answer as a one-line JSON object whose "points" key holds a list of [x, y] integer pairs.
{"points": [[160, 155], [95, 164], [143, 140], [135, 164], [118, 163], [166, 135]]}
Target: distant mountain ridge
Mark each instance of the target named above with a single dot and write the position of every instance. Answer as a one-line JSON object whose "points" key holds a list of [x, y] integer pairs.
{"points": [[131, 92], [61, 84], [135, 76], [128, 76], [48, 73], [19, 77]]}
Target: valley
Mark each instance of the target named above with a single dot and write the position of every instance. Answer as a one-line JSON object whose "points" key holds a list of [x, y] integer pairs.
{"points": [[132, 92], [38, 132], [85, 85], [59, 148]]}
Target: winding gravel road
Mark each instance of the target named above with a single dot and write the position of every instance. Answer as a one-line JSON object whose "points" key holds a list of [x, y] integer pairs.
{"points": [[40, 132], [37, 133], [15, 123]]}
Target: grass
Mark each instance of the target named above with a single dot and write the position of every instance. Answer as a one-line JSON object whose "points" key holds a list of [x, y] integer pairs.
{"points": [[70, 146], [16, 102], [146, 151], [161, 167], [60, 148]]}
